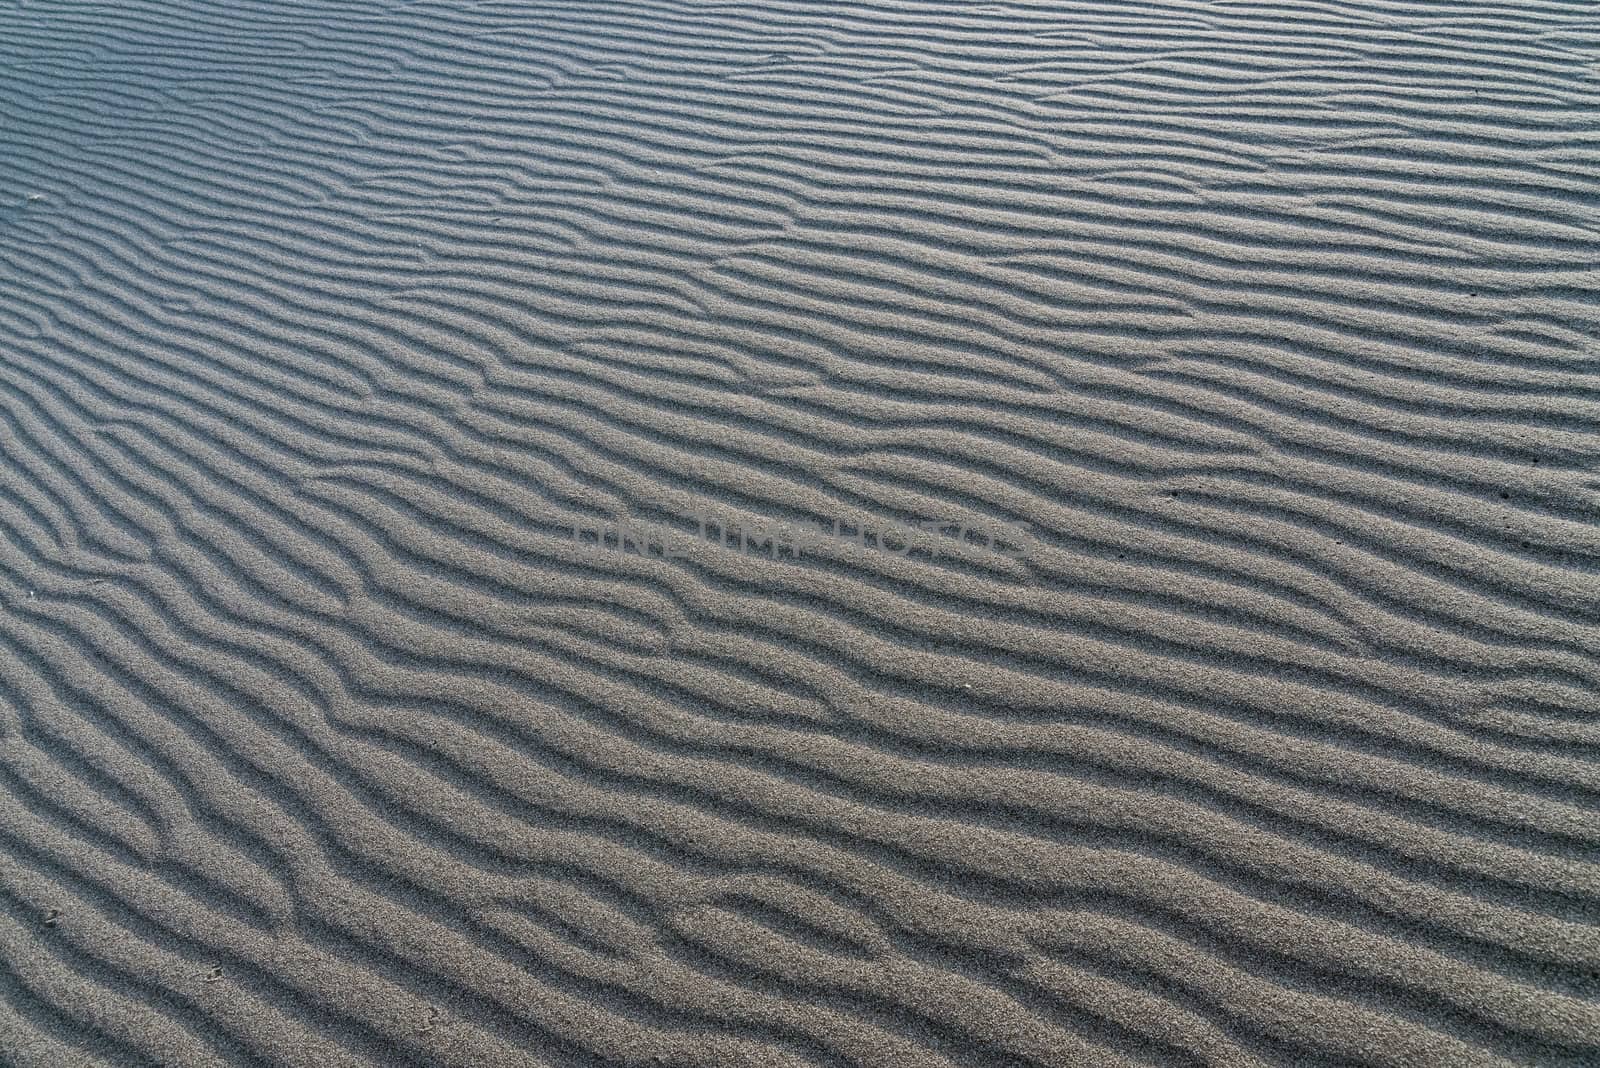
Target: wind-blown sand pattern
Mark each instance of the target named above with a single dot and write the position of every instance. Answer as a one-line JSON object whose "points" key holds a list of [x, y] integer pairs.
{"points": [[323, 324]]}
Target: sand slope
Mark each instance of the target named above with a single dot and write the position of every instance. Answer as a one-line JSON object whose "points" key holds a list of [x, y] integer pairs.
{"points": [[323, 324]]}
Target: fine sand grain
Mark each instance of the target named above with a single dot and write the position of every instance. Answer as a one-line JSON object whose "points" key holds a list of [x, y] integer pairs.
{"points": [[1235, 703]]}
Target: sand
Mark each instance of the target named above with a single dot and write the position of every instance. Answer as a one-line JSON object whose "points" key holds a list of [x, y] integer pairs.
{"points": [[730, 533]]}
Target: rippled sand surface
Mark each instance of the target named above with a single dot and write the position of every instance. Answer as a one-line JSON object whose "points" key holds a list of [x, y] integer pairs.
{"points": [[775, 534]]}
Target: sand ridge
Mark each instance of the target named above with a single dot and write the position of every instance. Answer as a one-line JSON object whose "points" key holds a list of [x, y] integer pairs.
{"points": [[325, 323]]}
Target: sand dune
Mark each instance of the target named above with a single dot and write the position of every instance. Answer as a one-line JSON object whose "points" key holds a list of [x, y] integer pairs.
{"points": [[1234, 702]]}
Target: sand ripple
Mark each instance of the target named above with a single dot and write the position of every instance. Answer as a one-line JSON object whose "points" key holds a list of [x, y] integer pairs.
{"points": [[323, 325]]}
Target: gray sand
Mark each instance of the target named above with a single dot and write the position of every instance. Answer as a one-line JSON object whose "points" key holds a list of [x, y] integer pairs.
{"points": [[461, 596]]}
